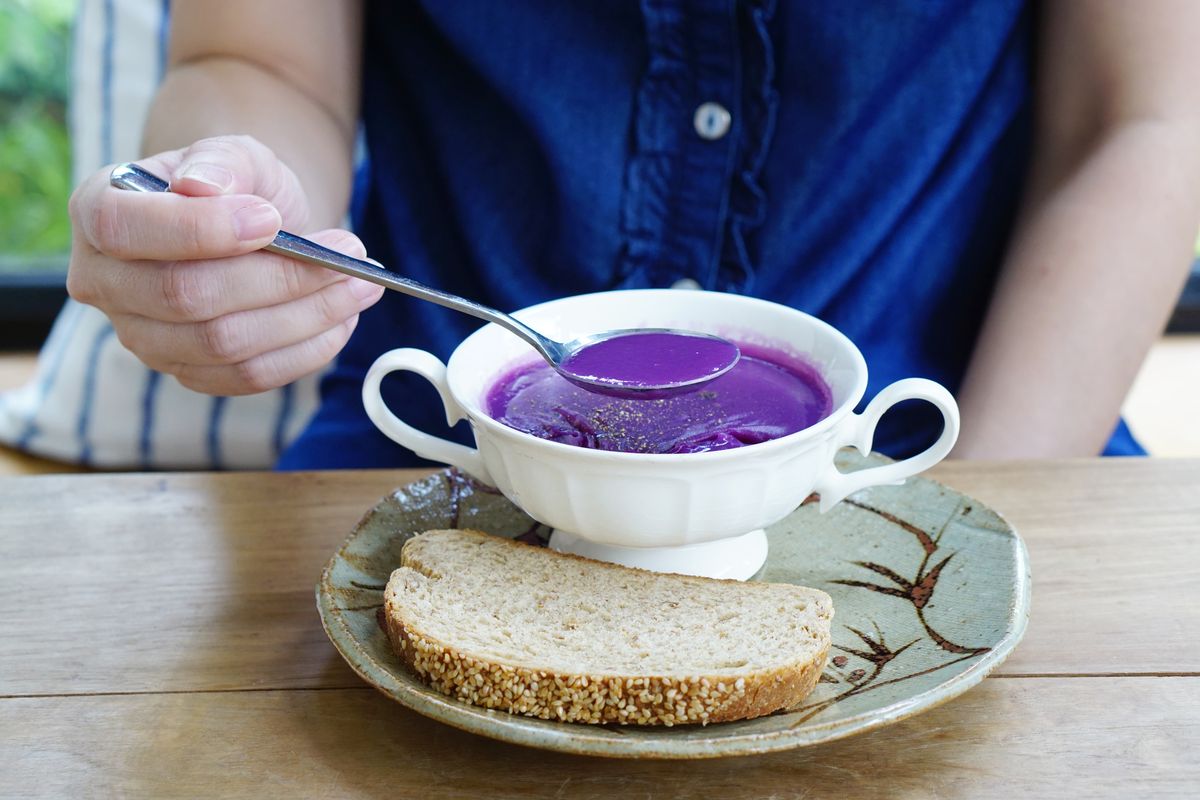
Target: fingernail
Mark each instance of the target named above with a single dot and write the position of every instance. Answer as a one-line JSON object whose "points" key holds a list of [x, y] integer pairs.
{"points": [[362, 289], [212, 175], [256, 222]]}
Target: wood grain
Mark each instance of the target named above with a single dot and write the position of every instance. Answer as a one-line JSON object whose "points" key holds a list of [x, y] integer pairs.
{"points": [[14, 462], [142, 583], [1045, 738], [160, 640], [1114, 548], [120, 583]]}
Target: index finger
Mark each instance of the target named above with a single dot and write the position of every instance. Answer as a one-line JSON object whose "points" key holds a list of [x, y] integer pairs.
{"points": [[199, 290], [164, 226]]}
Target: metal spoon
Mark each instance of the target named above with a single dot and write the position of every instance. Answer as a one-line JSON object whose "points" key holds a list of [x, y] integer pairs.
{"points": [[722, 354]]}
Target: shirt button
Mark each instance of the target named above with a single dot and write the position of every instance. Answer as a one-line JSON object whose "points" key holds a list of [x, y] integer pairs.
{"points": [[711, 121]]}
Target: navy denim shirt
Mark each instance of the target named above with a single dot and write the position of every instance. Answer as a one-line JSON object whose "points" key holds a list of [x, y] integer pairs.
{"points": [[858, 160]]}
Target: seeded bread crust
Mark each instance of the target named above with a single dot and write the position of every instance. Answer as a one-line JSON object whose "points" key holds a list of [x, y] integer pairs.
{"points": [[591, 698]]}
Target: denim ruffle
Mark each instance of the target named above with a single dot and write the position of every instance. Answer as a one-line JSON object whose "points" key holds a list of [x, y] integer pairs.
{"points": [[760, 102]]}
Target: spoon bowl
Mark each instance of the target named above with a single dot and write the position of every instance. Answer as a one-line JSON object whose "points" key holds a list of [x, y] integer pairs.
{"points": [[647, 363], [621, 362]]}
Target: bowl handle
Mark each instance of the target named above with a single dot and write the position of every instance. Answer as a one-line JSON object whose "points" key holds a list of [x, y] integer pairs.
{"points": [[858, 430], [423, 444]]}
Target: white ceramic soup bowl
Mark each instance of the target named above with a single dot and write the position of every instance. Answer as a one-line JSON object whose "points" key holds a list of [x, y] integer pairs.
{"points": [[696, 513]]}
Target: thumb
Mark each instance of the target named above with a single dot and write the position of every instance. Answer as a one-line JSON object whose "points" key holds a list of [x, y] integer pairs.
{"points": [[225, 165], [241, 165]]}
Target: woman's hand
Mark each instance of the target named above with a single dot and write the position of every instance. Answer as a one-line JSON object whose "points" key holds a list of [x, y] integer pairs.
{"points": [[184, 280]]}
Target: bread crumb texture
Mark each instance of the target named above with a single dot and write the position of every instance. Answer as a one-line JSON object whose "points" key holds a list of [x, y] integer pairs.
{"points": [[518, 628]]}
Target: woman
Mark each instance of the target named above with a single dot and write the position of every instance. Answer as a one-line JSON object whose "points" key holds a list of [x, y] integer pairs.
{"points": [[999, 197]]}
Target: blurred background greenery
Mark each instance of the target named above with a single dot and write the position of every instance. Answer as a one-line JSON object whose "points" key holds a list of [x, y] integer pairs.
{"points": [[35, 152]]}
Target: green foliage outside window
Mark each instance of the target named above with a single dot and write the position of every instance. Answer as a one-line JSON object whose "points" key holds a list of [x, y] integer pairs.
{"points": [[35, 152]]}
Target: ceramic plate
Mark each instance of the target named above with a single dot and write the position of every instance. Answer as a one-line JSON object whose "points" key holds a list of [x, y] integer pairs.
{"points": [[930, 591]]}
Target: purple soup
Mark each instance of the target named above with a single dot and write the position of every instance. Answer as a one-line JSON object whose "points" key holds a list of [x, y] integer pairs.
{"points": [[652, 358], [765, 396]]}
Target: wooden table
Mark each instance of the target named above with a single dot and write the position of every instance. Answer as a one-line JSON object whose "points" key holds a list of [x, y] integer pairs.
{"points": [[159, 638]]}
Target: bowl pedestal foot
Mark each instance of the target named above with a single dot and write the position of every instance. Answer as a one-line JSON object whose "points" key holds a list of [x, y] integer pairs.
{"points": [[736, 558]]}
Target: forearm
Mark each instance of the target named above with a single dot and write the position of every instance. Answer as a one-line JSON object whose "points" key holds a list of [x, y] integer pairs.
{"points": [[1093, 271], [226, 95]]}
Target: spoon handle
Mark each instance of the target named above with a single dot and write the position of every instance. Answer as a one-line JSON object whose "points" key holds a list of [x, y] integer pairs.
{"points": [[133, 177]]}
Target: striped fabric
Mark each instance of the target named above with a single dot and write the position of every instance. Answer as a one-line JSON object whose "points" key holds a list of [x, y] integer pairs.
{"points": [[91, 401]]}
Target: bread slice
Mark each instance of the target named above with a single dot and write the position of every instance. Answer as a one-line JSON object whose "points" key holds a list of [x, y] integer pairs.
{"points": [[524, 629]]}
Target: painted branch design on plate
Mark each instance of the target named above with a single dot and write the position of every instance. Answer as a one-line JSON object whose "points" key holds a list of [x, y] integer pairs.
{"points": [[917, 591]]}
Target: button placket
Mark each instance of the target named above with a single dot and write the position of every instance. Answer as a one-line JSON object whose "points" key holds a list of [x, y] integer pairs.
{"points": [[678, 177]]}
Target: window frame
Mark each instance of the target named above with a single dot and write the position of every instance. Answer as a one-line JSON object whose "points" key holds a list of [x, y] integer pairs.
{"points": [[1186, 317], [29, 304]]}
